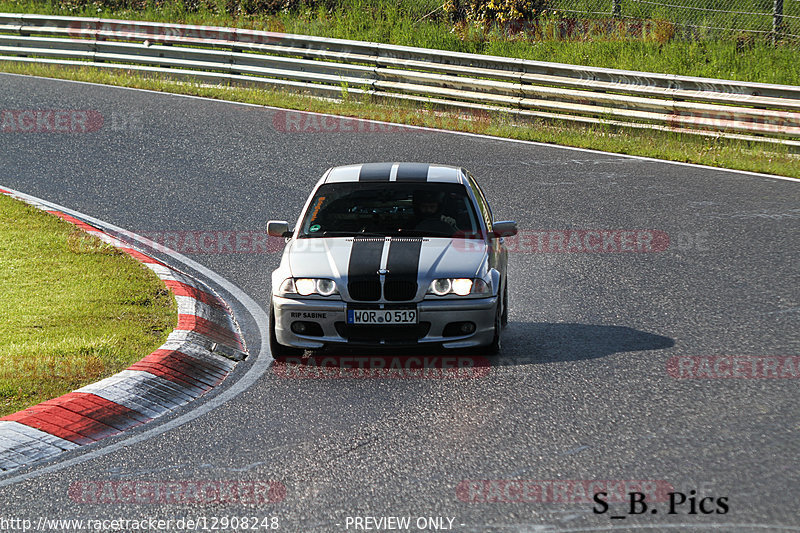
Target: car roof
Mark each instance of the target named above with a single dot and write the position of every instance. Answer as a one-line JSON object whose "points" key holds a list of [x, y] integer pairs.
{"points": [[402, 172]]}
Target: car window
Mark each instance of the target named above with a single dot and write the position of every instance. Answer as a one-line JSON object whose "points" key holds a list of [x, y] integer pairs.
{"points": [[391, 208]]}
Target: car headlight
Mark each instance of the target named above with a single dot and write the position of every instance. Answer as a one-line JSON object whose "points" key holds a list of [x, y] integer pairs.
{"points": [[458, 286], [308, 286], [440, 287]]}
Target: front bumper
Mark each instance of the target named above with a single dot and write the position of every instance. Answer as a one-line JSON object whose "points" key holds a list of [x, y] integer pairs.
{"points": [[433, 317]]}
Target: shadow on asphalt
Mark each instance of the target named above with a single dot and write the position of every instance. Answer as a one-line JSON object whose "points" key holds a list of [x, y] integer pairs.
{"points": [[546, 342], [524, 343]]}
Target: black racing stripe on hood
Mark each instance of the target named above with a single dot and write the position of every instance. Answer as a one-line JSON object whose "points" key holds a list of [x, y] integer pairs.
{"points": [[403, 266], [412, 172], [363, 281], [375, 172]]}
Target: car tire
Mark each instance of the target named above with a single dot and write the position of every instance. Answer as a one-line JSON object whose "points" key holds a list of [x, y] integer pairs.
{"points": [[278, 349], [494, 347], [504, 316]]}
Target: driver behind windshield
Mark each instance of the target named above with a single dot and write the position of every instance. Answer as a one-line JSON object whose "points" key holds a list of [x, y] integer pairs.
{"points": [[428, 214], [345, 209]]}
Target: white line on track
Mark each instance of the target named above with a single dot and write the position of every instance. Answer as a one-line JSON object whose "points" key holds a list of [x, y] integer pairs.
{"points": [[261, 358], [423, 128]]}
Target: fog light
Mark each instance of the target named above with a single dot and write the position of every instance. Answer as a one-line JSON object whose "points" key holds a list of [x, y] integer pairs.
{"points": [[307, 328], [458, 329]]}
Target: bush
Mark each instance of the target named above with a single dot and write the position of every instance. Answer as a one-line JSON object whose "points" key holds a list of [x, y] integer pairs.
{"points": [[494, 11]]}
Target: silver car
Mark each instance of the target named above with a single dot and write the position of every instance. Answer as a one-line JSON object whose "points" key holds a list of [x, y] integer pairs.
{"points": [[391, 254]]}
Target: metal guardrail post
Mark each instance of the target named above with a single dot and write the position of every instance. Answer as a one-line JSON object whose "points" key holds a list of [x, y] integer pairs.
{"points": [[777, 20], [616, 10]]}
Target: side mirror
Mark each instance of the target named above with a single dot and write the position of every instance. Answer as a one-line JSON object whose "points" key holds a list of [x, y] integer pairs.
{"points": [[278, 228], [506, 228]]}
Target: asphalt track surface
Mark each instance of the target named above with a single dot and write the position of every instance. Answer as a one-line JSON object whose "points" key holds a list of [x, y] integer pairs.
{"points": [[581, 390]]}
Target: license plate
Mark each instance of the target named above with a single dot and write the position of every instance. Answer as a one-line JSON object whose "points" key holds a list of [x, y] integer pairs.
{"points": [[381, 317]]}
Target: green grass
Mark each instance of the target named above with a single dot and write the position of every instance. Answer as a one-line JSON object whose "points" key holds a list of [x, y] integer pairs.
{"points": [[663, 145], [404, 22], [74, 310]]}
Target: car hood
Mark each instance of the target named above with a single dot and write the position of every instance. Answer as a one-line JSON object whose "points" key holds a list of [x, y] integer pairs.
{"points": [[346, 259]]}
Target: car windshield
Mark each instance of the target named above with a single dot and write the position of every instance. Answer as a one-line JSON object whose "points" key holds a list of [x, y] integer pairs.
{"points": [[391, 209]]}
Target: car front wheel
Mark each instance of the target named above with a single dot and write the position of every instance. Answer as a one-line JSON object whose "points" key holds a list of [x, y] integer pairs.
{"points": [[494, 347], [504, 317]]}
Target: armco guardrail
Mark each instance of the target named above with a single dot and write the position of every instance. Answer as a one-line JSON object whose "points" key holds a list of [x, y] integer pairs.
{"points": [[326, 67]]}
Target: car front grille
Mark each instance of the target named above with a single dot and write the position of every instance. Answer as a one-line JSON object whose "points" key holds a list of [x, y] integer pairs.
{"points": [[399, 290], [365, 291], [393, 290]]}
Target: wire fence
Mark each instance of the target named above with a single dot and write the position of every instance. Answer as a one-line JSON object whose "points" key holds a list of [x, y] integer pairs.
{"points": [[776, 20]]}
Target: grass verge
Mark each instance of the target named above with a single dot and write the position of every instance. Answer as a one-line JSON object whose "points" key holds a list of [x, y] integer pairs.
{"points": [[709, 151], [74, 310]]}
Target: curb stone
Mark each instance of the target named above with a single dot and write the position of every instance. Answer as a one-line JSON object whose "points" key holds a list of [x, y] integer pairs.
{"points": [[197, 356]]}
